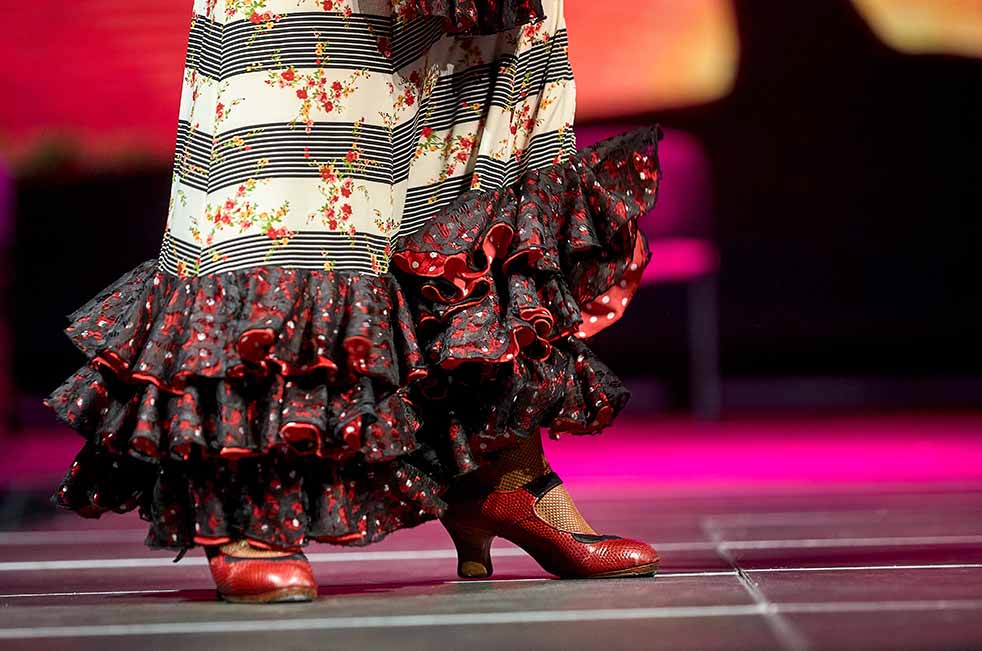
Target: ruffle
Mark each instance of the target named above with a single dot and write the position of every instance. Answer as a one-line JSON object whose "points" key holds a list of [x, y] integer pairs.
{"points": [[506, 286], [253, 368], [510, 272], [473, 16], [480, 409], [293, 405], [213, 353]]}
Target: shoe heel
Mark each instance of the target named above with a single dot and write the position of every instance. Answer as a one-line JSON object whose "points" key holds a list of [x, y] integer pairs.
{"points": [[473, 551]]}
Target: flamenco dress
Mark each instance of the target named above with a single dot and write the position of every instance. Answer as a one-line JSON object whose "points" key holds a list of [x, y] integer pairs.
{"points": [[382, 260]]}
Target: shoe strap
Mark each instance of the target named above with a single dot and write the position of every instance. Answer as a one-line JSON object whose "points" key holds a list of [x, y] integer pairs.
{"points": [[543, 484]]}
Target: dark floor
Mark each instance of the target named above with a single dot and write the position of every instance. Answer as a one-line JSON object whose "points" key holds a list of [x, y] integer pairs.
{"points": [[766, 564]]}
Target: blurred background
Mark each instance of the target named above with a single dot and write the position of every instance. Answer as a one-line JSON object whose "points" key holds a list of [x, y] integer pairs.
{"points": [[816, 246]]}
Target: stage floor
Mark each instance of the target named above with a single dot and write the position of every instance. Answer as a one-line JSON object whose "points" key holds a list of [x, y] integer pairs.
{"points": [[757, 554]]}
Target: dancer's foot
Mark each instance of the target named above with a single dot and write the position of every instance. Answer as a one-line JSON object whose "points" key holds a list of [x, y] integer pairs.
{"points": [[520, 498], [244, 573]]}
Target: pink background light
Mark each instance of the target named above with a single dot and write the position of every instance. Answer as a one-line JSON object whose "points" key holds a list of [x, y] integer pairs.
{"points": [[794, 453]]}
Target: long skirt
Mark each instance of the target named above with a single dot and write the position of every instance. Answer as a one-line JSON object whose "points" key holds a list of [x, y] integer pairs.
{"points": [[383, 258]]}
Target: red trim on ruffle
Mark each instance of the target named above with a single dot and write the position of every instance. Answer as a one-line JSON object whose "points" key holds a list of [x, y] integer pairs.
{"points": [[182, 450], [605, 416], [253, 346], [532, 255], [337, 539], [211, 540], [255, 543], [352, 436], [113, 362], [456, 268], [607, 308], [235, 453], [303, 438], [145, 446]]}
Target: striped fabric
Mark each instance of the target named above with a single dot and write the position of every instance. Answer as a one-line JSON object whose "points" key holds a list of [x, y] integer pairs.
{"points": [[312, 134]]}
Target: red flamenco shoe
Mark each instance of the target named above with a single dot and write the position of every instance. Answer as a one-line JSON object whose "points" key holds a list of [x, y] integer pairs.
{"points": [[473, 522], [244, 574]]}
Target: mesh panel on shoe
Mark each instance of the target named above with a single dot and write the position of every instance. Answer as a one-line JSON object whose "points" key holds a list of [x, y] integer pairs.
{"points": [[557, 508], [520, 465]]}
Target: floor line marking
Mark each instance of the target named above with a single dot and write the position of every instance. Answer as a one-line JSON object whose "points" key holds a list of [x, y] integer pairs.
{"points": [[849, 568], [896, 541], [470, 581], [880, 606], [787, 635], [440, 554], [664, 575], [712, 573], [460, 619], [95, 593], [391, 621]]}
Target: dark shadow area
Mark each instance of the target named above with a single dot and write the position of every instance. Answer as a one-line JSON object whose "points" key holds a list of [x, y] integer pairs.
{"points": [[848, 197]]}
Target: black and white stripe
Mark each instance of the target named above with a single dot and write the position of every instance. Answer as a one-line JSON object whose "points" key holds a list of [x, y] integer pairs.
{"points": [[284, 144], [304, 251], [223, 51], [543, 151]]}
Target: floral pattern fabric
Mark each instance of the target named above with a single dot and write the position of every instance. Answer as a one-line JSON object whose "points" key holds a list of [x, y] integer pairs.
{"points": [[313, 133], [287, 402]]}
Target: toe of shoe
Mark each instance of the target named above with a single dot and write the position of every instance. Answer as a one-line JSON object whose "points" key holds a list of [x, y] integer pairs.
{"points": [[627, 553]]}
